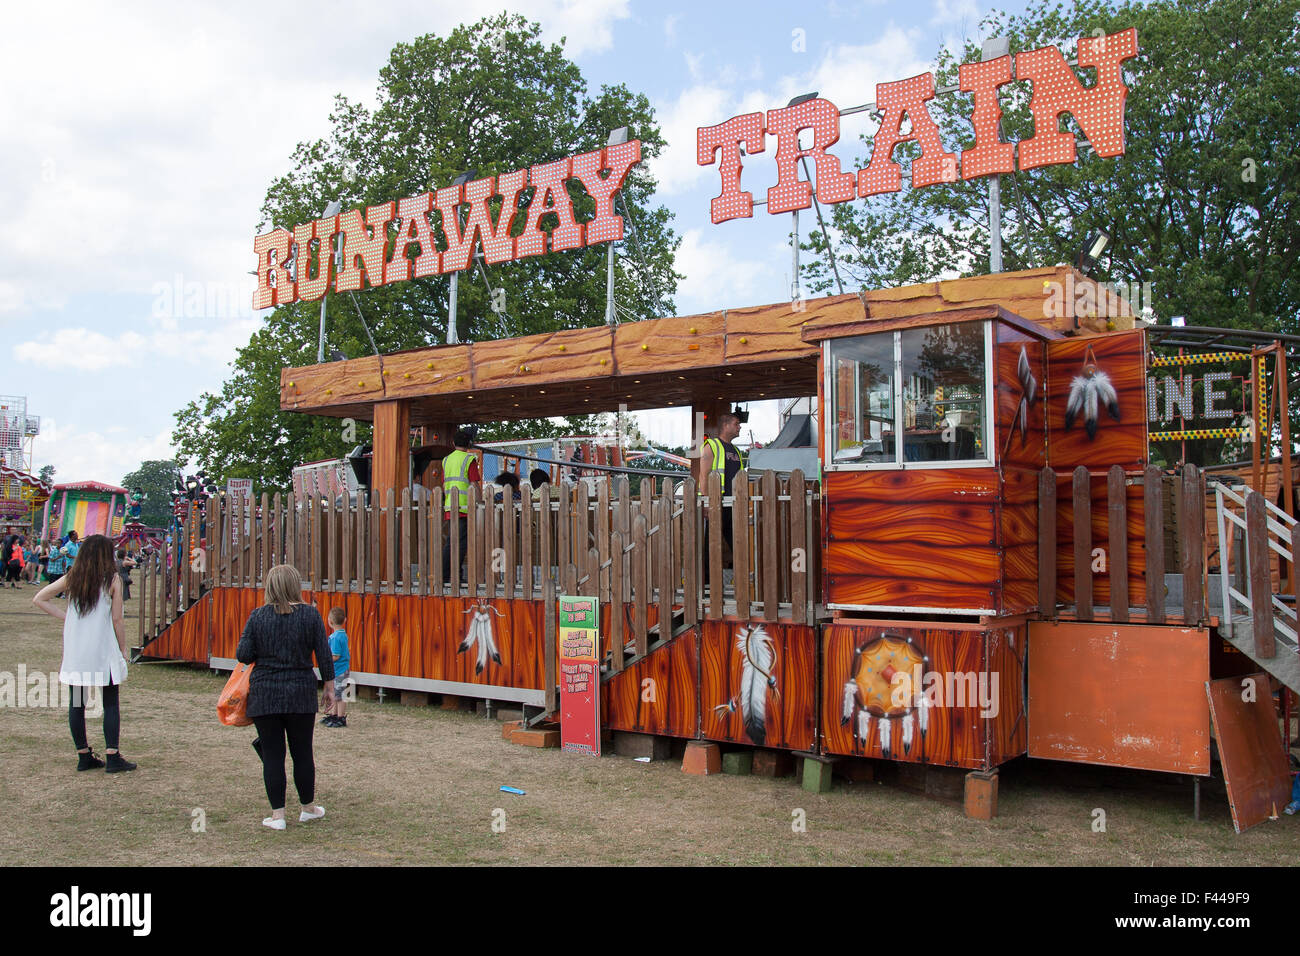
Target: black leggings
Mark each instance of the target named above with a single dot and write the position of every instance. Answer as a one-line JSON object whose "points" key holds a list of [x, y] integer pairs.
{"points": [[77, 716], [12, 570], [272, 730]]}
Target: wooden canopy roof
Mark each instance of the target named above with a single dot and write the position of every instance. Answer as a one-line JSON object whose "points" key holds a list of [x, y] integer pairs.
{"points": [[734, 355]]}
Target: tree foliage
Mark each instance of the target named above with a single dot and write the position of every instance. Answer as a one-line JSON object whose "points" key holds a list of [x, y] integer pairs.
{"points": [[490, 97]]}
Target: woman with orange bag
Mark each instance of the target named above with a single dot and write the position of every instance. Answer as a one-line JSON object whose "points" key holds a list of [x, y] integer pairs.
{"points": [[280, 638]]}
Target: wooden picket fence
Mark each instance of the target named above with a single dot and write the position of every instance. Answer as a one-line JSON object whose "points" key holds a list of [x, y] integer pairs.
{"points": [[1116, 542], [657, 548]]}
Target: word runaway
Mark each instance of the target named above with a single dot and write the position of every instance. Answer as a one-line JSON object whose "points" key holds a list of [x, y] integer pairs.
{"points": [[377, 247], [75, 909], [1098, 110], [26, 690]]}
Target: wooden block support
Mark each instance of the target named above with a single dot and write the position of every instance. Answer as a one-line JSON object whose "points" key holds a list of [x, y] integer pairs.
{"points": [[816, 776], [738, 762], [628, 744], [773, 763], [367, 693], [414, 698], [537, 737], [450, 702], [982, 795], [857, 771], [702, 758], [509, 727]]}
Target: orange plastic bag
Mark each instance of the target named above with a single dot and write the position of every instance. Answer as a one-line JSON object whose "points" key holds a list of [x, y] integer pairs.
{"points": [[232, 705]]}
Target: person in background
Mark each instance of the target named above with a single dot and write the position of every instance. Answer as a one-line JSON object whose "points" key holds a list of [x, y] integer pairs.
{"points": [[43, 563], [460, 469], [72, 548], [723, 459], [57, 565], [507, 479], [14, 569], [94, 646], [337, 716], [124, 566], [538, 477], [281, 637]]}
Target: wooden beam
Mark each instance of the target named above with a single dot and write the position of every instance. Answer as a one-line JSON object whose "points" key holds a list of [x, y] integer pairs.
{"points": [[1155, 544], [1117, 516], [1082, 544]]}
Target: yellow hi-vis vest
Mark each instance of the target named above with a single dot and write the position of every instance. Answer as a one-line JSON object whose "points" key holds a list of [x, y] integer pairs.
{"points": [[455, 477], [718, 463]]}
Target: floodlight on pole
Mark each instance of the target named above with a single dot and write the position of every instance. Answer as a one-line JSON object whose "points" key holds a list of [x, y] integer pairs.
{"points": [[452, 337], [331, 210], [1092, 250]]}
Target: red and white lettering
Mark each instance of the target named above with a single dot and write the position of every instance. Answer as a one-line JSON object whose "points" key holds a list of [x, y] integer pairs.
{"points": [[728, 137], [272, 251], [791, 192], [882, 174], [619, 160], [550, 195], [497, 244], [323, 230], [989, 155], [415, 227], [1099, 110], [358, 243]]}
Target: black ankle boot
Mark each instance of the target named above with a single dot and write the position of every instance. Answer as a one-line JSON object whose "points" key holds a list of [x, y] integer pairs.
{"points": [[117, 765], [88, 761]]}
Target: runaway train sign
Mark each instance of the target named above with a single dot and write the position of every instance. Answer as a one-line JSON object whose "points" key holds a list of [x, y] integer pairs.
{"points": [[1098, 109]]}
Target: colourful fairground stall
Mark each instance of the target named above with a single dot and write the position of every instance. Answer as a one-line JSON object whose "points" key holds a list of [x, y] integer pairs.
{"points": [[86, 507]]}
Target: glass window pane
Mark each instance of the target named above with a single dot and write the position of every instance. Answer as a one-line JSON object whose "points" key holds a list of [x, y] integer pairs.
{"points": [[862, 383], [943, 393]]}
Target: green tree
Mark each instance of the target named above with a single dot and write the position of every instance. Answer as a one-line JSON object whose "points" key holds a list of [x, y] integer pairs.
{"points": [[491, 97], [1205, 203], [157, 479]]}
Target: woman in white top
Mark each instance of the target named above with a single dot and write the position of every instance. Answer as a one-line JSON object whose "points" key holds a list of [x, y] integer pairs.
{"points": [[94, 645]]}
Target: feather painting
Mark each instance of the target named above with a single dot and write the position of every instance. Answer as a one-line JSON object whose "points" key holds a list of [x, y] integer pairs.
{"points": [[909, 723], [863, 729], [479, 635], [1089, 391], [850, 701], [757, 655], [884, 735]]}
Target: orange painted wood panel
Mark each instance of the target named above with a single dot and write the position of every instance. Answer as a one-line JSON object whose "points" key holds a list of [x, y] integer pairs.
{"points": [[772, 332], [939, 549], [1255, 766], [669, 704], [1006, 654], [955, 730], [1122, 356], [669, 344], [789, 707], [1122, 695], [1017, 447], [539, 359], [450, 372]]}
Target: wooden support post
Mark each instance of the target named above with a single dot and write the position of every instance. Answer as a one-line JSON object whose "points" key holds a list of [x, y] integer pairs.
{"points": [[690, 553], [361, 523], [1192, 501], [1155, 544], [374, 556], [798, 555], [389, 568], [391, 465], [527, 530], [740, 542], [549, 649], [474, 528], [1261, 581], [715, 547], [1047, 543], [439, 529], [1117, 517], [617, 639], [1082, 544], [290, 531], [667, 583], [422, 541], [545, 536], [403, 572], [347, 548], [770, 509], [259, 523], [640, 583], [508, 539]]}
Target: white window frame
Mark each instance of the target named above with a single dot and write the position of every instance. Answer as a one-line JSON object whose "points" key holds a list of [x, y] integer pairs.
{"points": [[898, 464]]}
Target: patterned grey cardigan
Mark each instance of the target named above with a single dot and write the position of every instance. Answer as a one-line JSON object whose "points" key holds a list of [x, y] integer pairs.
{"points": [[281, 645]]}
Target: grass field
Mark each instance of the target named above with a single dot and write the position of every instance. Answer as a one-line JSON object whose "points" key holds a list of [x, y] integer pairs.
{"points": [[417, 785]]}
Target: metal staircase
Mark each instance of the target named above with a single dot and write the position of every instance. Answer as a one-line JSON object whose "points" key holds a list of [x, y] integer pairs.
{"points": [[1257, 620]]}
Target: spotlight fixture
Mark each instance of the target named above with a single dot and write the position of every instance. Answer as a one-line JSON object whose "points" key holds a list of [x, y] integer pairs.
{"points": [[1092, 250]]}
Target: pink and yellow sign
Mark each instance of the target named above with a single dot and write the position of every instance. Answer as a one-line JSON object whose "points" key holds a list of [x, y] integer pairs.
{"points": [[580, 674]]}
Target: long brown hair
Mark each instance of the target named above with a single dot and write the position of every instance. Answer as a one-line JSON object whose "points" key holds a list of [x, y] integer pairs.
{"points": [[92, 573]]}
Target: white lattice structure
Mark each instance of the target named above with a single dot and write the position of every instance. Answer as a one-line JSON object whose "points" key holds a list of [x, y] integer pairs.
{"points": [[17, 429]]}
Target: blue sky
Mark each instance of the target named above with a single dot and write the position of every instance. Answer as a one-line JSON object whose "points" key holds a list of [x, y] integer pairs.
{"points": [[137, 141]]}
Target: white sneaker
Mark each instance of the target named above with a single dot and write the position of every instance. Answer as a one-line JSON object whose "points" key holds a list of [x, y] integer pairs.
{"points": [[304, 816], [274, 824]]}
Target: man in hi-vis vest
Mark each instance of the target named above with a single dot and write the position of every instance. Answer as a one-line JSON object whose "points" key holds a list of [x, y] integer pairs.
{"points": [[722, 458], [459, 470]]}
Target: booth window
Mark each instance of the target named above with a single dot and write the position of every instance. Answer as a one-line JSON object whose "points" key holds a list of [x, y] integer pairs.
{"points": [[911, 397]]}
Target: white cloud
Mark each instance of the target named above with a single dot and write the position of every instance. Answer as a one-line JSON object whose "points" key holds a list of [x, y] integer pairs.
{"points": [[106, 455], [88, 350], [670, 27], [715, 277]]}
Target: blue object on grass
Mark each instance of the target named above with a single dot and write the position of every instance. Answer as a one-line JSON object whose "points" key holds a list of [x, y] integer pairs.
{"points": [[512, 790]]}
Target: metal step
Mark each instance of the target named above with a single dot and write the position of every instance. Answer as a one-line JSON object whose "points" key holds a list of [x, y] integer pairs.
{"points": [[1285, 662]]}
